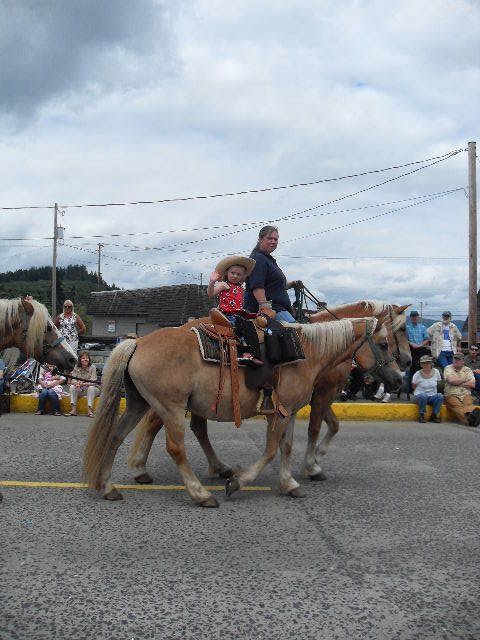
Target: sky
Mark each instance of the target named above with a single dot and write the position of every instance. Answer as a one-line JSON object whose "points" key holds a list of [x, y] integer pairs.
{"points": [[144, 101]]}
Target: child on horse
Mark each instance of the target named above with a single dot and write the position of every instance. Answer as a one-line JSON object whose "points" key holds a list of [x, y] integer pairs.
{"points": [[226, 282]]}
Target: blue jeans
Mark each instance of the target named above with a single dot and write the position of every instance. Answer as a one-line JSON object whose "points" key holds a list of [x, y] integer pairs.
{"points": [[52, 396], [444, 358], [477, 384], [284, 316], [436, 401]]}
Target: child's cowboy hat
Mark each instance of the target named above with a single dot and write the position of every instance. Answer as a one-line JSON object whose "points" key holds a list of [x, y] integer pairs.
{"points": [[224, 265]]}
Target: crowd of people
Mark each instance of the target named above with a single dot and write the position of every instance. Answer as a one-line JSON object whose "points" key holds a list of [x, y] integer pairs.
{"points": [[440, 373]]}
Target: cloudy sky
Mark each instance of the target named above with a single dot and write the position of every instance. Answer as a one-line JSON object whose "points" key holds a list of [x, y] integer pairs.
{"points": [[123, 101]]}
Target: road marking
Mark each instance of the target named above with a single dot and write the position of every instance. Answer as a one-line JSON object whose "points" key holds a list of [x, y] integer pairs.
{"points": [[135, 487]]}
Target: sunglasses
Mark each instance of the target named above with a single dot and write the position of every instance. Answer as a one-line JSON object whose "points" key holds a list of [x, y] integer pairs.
{"points": [[68, 306]]}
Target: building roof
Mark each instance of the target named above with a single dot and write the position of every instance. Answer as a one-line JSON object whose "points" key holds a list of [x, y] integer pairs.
{"points": [[166, 306]]}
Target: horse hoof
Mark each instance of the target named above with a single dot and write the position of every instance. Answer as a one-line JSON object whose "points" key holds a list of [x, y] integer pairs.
{"points": [[318, 477], [114, 494], [231, 485], [226, 473], [210, 502], [296, 493], [144, 478]]}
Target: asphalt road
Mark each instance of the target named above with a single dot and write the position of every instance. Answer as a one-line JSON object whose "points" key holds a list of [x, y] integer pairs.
{"points": [[387, 547]]}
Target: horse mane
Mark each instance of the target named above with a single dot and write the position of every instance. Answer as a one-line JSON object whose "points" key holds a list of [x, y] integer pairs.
{"points": [[376, 307], [329, 337], [10, 318]]}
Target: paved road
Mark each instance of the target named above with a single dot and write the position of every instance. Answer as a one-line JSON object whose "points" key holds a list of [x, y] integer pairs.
{"points": [[387, 547]]}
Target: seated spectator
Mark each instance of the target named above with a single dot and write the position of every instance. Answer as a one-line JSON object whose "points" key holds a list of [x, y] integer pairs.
{"points": [[472, 361], [82, 382], [424, 383], [459, 381], [50, 387]]}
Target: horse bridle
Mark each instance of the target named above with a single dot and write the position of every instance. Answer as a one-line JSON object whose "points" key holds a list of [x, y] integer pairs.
{"points": [[45, 347], [380, 361]]}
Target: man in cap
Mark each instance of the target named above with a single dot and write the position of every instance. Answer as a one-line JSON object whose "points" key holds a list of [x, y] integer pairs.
{"points": [[459, 381], [472, 361], [417, 339], [446, 339]]}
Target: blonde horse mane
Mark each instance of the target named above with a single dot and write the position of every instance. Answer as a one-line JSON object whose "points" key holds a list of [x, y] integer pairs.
{"points": [[10, 317], [327, 337], [376, 307]]}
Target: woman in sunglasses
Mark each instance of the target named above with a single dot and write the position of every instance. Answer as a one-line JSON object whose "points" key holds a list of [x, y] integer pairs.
{"points": [[70, 324]]}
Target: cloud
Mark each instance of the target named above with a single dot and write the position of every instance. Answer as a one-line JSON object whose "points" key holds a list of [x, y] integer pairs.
{"points": [[55, 48]]}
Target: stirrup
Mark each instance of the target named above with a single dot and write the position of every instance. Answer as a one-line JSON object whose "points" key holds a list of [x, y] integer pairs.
{"points": [[265, 406]]}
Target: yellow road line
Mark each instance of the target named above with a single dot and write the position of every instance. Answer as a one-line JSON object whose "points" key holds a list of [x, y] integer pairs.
{"points": [[136, 487]]}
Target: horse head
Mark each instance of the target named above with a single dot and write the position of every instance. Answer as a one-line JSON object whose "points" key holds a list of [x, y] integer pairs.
{"points": [[376, 355], [42, 339]]}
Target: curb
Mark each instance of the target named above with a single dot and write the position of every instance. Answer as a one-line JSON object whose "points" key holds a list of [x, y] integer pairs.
{"points": [[358, 411]]}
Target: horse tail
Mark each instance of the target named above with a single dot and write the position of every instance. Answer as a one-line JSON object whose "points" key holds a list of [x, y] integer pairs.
{"points": [[101, 433], [150, 421]]}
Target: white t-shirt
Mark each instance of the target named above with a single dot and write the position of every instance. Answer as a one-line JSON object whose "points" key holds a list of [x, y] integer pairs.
{"points": [[428, 386]]}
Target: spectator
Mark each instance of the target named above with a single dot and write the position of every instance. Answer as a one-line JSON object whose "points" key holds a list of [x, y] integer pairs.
{"points": [[70, 325], [50, 387], [472, 361], [418, 340], [354, 384], [446, 339], [459, 380], [424, 383], [382, 394], [82, 382]]}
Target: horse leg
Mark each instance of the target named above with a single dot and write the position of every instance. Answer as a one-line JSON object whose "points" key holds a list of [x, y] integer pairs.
{"points": [[311, 467], [175, 444], [147, 430], [288, 484], [216, 468], [134, 412], [248, 475], [333, 426]]}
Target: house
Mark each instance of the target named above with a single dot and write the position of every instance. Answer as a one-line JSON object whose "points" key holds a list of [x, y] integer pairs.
{"points": [[141, 311]]}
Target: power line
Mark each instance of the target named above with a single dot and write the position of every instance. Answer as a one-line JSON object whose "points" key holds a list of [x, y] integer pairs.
{"points": [[440, 158]]}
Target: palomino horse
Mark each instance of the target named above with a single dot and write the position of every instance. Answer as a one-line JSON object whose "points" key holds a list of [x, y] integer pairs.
{"points": [[391, 344], [25, 324], [164, 371]]}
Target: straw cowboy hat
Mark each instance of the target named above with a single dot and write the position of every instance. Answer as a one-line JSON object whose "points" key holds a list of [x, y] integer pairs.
{"points": [[224, 265]]}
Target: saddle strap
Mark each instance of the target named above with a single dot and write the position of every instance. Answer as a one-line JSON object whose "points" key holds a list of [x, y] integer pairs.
{"points": [[221, 380], [235, 383]]}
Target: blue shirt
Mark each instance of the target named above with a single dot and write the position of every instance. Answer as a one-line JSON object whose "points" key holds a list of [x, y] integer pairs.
{"points": [[417, 333], [267, 275]]}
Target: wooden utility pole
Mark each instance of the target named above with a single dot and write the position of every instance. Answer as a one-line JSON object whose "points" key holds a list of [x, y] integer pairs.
{"points": [[99, 274], [472, 243], [54, 262]]}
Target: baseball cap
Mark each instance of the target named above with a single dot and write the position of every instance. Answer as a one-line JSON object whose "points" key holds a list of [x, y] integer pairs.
{"points": [[459, 356], [414, 312], [446, 314]]}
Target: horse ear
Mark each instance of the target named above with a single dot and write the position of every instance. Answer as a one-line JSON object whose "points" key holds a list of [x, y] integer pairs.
{"points": [[402, 308], [27, 305]]}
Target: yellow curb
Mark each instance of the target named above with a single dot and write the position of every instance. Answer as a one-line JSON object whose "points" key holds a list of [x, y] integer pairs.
{"points": [[135, 487], [395, 411]]}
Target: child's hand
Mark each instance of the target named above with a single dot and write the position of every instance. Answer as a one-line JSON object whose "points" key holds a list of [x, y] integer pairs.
{"points": [[215, 276], [220, 286]]}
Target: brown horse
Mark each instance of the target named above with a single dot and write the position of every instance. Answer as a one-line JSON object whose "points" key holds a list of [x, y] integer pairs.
{"points": [[164, 371], [25, 324], [391, 344]]}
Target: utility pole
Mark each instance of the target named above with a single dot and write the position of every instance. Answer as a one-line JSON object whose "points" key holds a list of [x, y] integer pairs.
{"points": [[99, 275], [472, 244], [54, 261]]}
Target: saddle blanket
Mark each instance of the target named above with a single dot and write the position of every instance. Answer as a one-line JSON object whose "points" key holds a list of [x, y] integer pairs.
{"points": [[210, 348]]}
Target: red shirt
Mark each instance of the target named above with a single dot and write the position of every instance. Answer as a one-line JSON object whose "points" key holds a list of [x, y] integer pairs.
{"points": [[231, 300]]}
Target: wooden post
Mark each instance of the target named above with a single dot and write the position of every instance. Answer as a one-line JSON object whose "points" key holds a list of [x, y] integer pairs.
{"points": [[54, 262], [472, 244], [99, 274]]}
